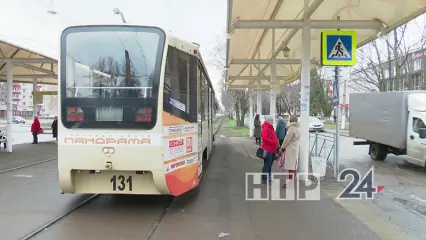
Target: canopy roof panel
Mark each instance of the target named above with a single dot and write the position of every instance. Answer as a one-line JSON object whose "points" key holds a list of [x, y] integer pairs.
{"points": [[27, 64], [245, 43]]}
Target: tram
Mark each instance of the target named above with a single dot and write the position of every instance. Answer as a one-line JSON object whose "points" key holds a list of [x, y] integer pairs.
{"points": [[136, 109]]}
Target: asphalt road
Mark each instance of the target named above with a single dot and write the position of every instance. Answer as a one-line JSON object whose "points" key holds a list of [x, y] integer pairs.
{"points": [[403, 200], [30, 197]]}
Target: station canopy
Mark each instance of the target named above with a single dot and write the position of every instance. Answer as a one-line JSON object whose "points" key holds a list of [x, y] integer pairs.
{"points": [[27, 63], [249, 44]]}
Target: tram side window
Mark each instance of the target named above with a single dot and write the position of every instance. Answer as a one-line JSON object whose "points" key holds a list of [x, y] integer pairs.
{"points": [[212, 104], [201, 89], [209, 102], [179, 89], [205, 99]]}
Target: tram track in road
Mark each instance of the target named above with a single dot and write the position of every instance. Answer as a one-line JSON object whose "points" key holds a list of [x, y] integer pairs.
{"points": [[37, 231], [18, 177], [107, 217], [27, 165]]}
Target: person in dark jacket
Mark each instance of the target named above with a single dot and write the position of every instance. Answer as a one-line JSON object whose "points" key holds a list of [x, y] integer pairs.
{"points": [[35, 129], [257, 129], [281, 129], [55, 128]]}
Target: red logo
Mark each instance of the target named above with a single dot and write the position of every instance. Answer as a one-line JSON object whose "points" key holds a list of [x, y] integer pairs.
{"points": [[178, 164], [176, 143], [189, 144]]}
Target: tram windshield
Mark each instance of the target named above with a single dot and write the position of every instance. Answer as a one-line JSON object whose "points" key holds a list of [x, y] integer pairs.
{"points": [[110, 76]]}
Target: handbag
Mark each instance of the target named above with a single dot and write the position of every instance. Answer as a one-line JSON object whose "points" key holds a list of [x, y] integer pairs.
{"points": [[260, 153], [281, 160]]}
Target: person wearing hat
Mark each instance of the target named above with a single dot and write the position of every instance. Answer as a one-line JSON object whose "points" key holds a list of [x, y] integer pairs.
{"points": [[291, 144]]}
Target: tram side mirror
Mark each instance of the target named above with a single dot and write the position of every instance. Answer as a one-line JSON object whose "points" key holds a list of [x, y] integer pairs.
{"points": [[422, 133]]}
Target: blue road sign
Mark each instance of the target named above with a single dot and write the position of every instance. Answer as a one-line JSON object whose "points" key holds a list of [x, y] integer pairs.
{"points": [[338, 48], [335, 99]]}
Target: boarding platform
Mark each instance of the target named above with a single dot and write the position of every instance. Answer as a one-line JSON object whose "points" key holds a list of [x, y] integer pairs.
{"points": [[221, 211], [27, 154]]}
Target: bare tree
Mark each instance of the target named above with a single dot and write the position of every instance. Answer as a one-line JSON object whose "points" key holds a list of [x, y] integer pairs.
{"points": [[384, 65], [232, 101], [3, 93], [290, 98]]}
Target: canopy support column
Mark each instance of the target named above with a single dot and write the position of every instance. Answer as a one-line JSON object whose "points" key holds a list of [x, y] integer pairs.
{"points": [[273, 105], [273, 92], [9, 107], [34, 97], [259, 99], [304, 98], [251, 115]]}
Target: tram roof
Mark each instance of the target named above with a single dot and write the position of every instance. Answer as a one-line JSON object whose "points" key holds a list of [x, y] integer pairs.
{"points": [[251, 40], [28, 63]]}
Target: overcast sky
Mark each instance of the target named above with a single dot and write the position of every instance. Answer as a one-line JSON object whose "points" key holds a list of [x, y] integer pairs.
{"points": [[26, 21]]}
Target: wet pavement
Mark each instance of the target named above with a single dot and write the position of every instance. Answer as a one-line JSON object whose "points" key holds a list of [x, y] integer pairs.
{"points": [[218, 210], [109, 217], [403, 200], [30, 197], [24, 154]]}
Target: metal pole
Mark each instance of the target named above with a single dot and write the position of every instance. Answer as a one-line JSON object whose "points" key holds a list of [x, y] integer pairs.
{"points": [[273, 93], [316, 144], [344, 106], [337, 78], [273, 105], [251, 117], [305, 93], [336, 165], [122, 17], [34, 97], [259, 99], [9, 111]]}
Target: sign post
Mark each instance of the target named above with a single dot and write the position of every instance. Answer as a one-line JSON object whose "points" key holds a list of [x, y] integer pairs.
{"points": [[338, 48]]}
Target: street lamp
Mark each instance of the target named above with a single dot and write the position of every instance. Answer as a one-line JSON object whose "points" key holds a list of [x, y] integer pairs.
{"points": [[286, 52], [118, 12]]}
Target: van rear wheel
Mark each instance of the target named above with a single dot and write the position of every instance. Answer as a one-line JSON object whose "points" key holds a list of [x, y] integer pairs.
{"points": [[378, 152]]}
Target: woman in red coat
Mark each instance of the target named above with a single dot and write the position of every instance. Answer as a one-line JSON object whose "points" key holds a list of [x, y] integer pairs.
{"points": [[35, 130], [270, 145]]}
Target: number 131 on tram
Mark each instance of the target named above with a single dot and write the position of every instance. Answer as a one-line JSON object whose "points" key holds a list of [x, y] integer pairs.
{"points": [[136, 111]]}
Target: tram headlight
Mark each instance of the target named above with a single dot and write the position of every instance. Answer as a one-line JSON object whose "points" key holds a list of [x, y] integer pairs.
{"points": [[108, 150]]}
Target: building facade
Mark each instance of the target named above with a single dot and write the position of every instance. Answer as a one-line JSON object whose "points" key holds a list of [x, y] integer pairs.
{"points": [[412, 68], [22, 100]]}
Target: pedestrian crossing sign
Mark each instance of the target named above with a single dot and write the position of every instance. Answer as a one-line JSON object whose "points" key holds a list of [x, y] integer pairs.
{"points": [[338, 48]]}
